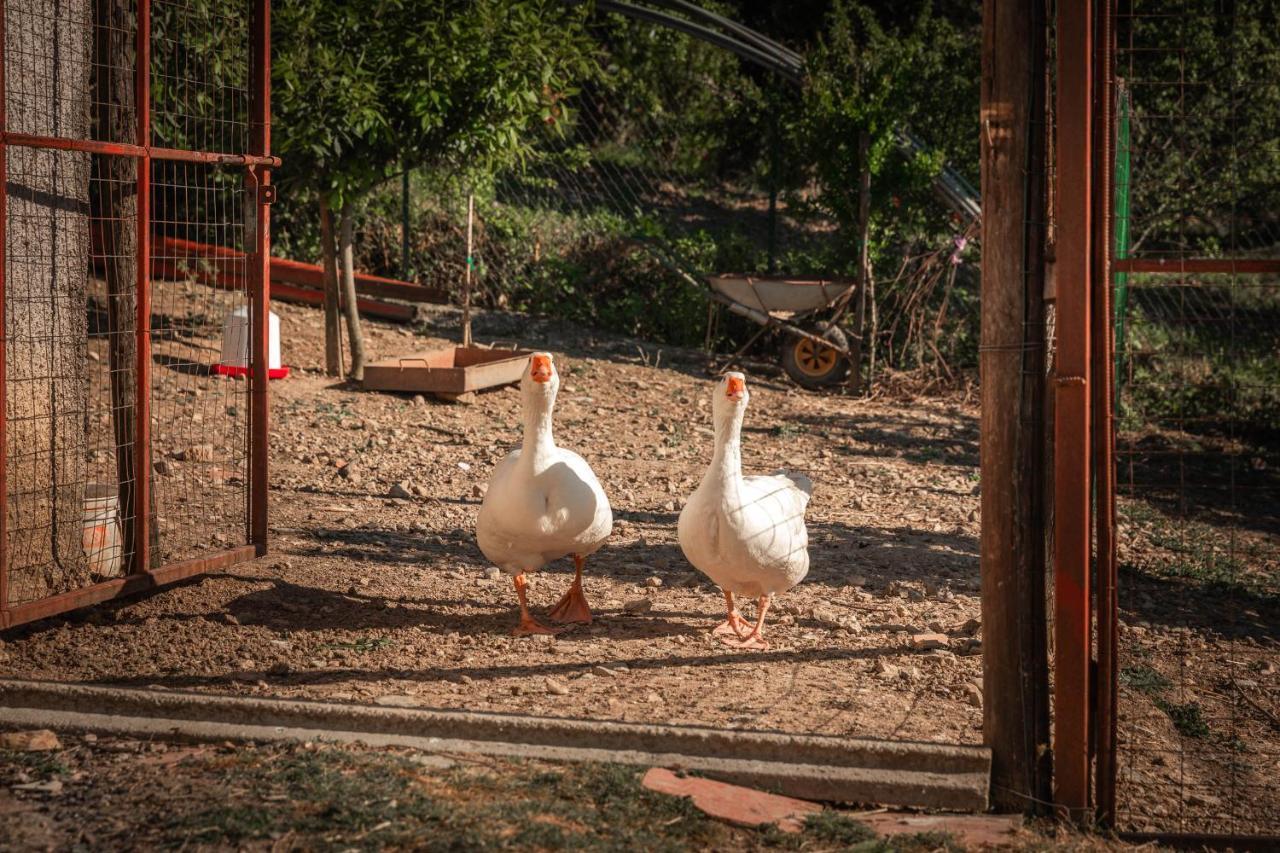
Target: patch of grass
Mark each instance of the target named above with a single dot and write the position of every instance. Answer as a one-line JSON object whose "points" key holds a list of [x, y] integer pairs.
{"points": [[44, 764], [1144, 679], [836, 828], [788, 430], [1188, 718]]}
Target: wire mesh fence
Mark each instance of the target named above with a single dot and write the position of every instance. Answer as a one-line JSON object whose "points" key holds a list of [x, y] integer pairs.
{"points": [[1198, 417], [126, 457]]}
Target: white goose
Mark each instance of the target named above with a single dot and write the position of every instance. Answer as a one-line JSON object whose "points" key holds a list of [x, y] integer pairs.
{"points": [[745, 533], [543, 503]]}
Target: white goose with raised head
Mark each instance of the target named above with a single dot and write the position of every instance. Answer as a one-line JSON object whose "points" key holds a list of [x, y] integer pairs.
{"points": [[543, 503], [747, 534]]}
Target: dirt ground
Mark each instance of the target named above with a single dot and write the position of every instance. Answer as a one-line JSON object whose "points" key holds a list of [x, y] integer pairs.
{"points": [[368, 597], [375, 591]]}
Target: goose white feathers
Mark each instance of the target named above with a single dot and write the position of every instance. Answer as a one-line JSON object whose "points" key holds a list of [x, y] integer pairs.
{"points": [[747, 534], [543, 503]]}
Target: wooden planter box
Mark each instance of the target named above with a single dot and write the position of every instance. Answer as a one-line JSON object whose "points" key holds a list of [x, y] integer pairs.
{"points": [[454, 373]]}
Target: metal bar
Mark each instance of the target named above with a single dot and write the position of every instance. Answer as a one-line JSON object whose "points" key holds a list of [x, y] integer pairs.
{"points": [[4, 339], [142, 370], [1197, 265], [1071, 422], [120, 587], [1105, 696], [125, 149], [260, 271]]}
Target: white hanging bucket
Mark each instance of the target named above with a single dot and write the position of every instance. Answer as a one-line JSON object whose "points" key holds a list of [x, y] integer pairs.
{"points": [[101, 531], [235, 346]]}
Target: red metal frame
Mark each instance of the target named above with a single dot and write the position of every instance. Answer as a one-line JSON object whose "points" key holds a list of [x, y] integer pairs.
{"points": [[260, 271], [1107, 600], [4, 337], [1072, 444], [258, 165]]}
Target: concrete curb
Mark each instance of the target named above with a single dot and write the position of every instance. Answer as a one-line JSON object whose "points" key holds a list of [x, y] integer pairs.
{"points": [[852, 770]]}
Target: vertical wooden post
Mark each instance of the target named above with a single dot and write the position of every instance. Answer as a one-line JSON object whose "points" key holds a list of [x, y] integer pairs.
{"points": [[864, 232], [142, 516], [466, 289], [1072, 444], [404, 225], [1015, 668], [259, 273]]}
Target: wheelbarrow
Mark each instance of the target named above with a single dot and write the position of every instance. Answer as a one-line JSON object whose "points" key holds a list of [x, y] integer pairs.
{"points": [[815, 351]]}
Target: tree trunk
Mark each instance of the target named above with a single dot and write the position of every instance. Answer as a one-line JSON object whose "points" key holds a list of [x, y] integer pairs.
{"points": [[47, 49], [346, 227], [332, 299], [115, 205]]}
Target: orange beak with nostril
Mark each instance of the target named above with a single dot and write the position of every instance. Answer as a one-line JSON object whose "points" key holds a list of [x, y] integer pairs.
{"points": [[736, 388], [540, 368]]}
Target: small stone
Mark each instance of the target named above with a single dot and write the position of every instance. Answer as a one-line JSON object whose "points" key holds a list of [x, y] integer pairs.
{"points": [[669, 506], [479, 490], [604, 671], [89, 737], [557, 688], [401, 490], [653, 582], [53, 787], [970, 627], [419, 400], [40, 740], [886, 670], [925, 642], [973, 695], [464, 466], [653, 698], [492, 573], [197, 453], [640, 605], [161, 467]]}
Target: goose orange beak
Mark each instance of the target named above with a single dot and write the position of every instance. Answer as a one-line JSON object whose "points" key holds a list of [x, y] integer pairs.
{"points": [[736, 388], [540, 368]]}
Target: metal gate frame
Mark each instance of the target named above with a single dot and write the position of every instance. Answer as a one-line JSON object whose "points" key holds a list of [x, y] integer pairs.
{"points": [[1086, 671], [257, 163]]}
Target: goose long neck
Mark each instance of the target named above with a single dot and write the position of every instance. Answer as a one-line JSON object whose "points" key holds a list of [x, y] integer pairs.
{"points": [[538, 440], [726, 464]]}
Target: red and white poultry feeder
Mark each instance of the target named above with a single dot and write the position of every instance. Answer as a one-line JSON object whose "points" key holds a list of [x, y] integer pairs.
{"points": [[235, 359]]}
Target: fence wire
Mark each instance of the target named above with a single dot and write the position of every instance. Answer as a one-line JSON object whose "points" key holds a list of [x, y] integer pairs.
{"points": [[71, 291], [1198, 421]]}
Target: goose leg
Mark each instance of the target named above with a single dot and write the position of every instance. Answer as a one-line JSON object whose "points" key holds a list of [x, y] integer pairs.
{"points": [[755, 640], [573, 606], [735, 624], [528, 625]]}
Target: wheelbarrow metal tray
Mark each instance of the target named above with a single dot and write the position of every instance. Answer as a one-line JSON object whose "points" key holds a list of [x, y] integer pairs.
{"points": [[793, 295], [454, 370]]}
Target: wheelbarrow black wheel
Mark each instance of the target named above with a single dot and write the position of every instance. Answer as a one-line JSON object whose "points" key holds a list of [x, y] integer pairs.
{"points": [[810, 364]]}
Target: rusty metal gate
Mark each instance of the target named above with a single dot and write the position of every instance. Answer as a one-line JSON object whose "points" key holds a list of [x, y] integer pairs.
{"points": [[127, 129], [1168, 520]]}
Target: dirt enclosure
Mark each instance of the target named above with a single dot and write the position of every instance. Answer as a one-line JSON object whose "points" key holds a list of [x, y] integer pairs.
{"points": [[376, 591]]}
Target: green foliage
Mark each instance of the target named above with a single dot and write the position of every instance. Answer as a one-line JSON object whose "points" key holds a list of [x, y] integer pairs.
{"points": [[362, 89]]}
